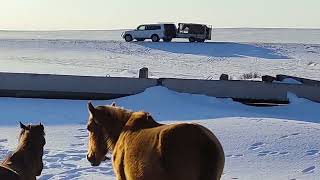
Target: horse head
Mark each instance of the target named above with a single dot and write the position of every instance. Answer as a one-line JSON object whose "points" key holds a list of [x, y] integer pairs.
{"points": [[104, 125], [31, 143]]}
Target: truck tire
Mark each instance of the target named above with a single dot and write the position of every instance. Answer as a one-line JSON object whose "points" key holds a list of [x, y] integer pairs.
{"points": [[128, 38], [200, 40], [167, 39], [140, 39], [192, 39], [155, 38]]}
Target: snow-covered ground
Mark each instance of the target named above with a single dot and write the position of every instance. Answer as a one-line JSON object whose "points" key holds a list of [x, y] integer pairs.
{"points": [[103, 53], [260, 142]]}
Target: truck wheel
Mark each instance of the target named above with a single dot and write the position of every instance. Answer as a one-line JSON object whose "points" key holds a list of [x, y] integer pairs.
{"points": [[200, 40], [140, 39], [167, 39], [155, 38], [192, 39], [128, 38]]}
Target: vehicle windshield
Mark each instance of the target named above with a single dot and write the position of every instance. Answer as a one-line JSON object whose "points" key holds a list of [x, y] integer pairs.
{"points": [[141, 27]]}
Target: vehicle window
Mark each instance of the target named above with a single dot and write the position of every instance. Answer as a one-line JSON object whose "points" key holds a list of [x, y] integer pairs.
{"points": [[141, 28], [153, 27]]}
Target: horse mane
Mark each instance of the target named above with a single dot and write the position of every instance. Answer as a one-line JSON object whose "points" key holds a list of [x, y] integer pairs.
{"points": [[128, 117], [123, 120], [140, 120]]}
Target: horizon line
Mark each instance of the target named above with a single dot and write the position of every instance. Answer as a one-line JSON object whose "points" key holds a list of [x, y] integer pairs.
{"points": [[25, 30]]}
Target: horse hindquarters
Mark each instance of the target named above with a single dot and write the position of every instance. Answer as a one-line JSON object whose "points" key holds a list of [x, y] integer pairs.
{"points": [[180, 152], [7, 174], [213, 159], [191, 152]]}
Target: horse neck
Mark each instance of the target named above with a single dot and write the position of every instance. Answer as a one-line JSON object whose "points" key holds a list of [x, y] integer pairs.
{"points": [[121, 116], [141, 120], [18, 162]]}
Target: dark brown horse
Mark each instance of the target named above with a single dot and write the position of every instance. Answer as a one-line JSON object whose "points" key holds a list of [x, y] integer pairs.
{"points": [[144, 149], [26, 162]]}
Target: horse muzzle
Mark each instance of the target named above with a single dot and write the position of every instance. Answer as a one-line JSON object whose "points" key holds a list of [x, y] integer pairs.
{"points": [[93, 160]]}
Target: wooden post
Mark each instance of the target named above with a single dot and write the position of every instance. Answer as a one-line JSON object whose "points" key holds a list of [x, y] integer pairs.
{"points": [[268, 79], [224, 77], [143, 73]]}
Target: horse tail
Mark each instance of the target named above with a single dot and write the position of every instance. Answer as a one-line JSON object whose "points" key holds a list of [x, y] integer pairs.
{"points": [[213, 159]]}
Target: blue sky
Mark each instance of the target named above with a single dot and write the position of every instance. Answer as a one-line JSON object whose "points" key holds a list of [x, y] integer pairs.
{"points": [[119, 14]]}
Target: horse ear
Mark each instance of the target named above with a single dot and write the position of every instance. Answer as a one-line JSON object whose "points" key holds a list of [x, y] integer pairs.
{"points": [[42, 127], [91, 108], [22, 126], [113, 104]]}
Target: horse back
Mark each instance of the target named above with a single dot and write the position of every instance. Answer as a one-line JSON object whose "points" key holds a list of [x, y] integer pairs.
{"points": [[8, 174]]}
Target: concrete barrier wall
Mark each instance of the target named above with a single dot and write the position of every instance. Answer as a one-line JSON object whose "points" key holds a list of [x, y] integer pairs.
{"points": [[85, 87], [253, 90], [70, 87], [281, 77]]}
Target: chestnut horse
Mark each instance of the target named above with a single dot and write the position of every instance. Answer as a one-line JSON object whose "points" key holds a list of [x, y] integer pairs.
{"points": [[26, 162], [146, 150]]}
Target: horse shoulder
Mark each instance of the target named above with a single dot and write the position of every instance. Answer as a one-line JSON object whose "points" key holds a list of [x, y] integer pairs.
{"points": [[136, 155], [118, 164]]}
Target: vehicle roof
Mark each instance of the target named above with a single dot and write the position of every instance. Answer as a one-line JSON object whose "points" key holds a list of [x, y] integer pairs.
{"points": [[159, 24], [194, 24]]}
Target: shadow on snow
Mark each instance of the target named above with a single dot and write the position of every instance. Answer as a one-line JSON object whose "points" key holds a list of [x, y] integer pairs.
{"points": [[215, 49]]}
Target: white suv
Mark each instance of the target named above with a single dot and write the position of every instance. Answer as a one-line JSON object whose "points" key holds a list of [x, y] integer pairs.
{"points": [[155, 32]]}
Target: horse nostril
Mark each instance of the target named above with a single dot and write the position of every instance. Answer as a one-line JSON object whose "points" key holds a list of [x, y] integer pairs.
{"points": [[90, 158]]}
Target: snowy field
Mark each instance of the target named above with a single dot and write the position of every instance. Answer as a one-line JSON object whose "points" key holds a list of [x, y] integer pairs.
{"points": [[260, 143], [103, 53]]}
